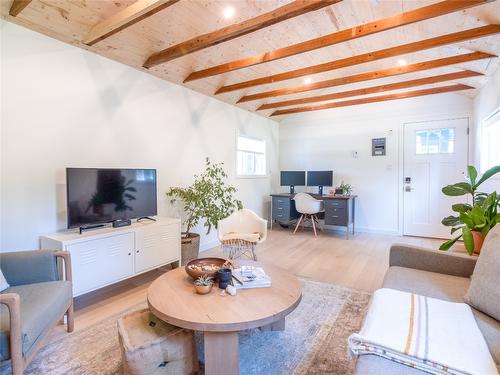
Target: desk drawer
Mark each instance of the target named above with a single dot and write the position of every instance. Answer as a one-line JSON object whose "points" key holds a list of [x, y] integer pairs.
{"points": [[281, 208], [336, 218], [335, 203]]}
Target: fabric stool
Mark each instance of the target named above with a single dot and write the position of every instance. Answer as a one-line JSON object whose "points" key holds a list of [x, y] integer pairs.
{"points": [[149, 346]]}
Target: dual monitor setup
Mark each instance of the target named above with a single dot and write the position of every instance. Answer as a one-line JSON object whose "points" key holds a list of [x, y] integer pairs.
{"points": [[314, 178]]}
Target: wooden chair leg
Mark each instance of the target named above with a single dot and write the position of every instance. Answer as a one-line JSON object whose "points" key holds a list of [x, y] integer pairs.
{"points": [[314, 225], [298, 223], [70, 318], [253, 253]]}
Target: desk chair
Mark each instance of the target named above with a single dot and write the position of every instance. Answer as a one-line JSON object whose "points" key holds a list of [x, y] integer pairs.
{"points": [[240, 232], [308, 207]]}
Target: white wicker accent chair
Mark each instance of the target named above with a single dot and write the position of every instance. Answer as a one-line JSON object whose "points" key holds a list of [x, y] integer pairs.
{"points": [[240, 232], [308, 207]]}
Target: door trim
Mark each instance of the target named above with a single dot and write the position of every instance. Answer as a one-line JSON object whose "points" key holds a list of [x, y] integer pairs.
{"points": [[401, 132]]}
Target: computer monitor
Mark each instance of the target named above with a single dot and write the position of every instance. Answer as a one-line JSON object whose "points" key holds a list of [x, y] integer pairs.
{"points": [[292, 179], [320, 179]]}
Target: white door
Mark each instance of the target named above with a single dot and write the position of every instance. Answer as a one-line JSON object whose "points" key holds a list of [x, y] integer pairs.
{"points": [[157, 245], [435, 155]]}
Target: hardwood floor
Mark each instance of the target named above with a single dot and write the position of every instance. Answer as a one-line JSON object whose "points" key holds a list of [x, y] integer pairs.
{"points": [[358, 263]]}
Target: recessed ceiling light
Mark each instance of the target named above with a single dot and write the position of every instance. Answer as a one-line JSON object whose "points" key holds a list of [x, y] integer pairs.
{"points": [[402, 62], [229, 12], [307, 81]]}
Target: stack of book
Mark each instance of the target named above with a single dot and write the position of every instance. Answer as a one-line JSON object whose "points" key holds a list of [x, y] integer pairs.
{"points": [[254, 278]]}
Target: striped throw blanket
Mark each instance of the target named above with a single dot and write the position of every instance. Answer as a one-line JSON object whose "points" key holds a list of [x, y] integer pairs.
{"points": [[428, 334]]}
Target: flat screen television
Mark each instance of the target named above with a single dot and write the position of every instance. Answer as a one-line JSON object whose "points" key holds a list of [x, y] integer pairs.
{"points": [[97, 196]]}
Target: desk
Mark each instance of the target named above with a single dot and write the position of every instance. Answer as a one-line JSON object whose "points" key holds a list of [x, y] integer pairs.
{"points": [[339, 209]]}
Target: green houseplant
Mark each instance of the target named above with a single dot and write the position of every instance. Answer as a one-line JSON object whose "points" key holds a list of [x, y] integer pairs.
{"points": [[474, 220], [209, 198]]}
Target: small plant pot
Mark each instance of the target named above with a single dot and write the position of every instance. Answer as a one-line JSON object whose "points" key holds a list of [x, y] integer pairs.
{"points": [[203, 289], [478, 241], [339, 191]]}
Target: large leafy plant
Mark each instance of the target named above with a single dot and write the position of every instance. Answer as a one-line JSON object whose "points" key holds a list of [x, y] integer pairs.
{"points": [[480, 216], [209, 197]]}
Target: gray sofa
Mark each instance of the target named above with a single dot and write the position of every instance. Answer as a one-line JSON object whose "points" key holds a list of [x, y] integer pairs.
{"points": [[436, 274], [37, 299]]}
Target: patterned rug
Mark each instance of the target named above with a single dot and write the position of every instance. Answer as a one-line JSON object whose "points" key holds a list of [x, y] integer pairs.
{"points": [[314, 341]]}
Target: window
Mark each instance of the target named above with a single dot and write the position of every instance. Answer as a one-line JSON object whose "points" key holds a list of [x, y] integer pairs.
{"points": [[435, 141], [251, 157], [489, 151]]}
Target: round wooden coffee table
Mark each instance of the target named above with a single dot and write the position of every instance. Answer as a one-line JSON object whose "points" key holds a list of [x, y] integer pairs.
{"points": [[173, 299]]}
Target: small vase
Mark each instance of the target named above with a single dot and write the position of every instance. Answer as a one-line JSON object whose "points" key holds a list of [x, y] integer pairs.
{"points": [[203, 289], [478, 241]]}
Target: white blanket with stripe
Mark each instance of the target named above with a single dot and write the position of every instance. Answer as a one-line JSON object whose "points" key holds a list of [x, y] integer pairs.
{"points": [[429, 334]]}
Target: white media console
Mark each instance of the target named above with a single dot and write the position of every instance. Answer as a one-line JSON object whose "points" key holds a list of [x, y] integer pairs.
{"points": [[102, 257]]}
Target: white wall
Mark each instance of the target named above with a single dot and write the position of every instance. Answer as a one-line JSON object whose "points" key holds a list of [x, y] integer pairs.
{"points": [[63, 106], [485, 103], [326, 139]]}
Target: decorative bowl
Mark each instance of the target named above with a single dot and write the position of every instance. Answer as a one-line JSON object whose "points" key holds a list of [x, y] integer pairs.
{"points": [[198, 272]]}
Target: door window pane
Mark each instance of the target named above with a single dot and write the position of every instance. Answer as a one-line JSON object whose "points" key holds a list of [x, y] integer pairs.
{"points": [[435, 141]]}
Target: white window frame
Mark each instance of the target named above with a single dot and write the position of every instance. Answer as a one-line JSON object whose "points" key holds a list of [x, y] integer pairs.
{"points": [[488, 121], [265, 175]]}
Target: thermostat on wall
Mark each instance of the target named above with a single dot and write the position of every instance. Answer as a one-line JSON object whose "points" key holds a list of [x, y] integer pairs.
{"points": [[378, 146]]}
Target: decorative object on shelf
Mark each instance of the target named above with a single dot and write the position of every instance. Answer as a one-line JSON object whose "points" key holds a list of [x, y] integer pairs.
{"points": [[240, 232], [209, 198], [473, 221], [205, 267], [343, 189], [203, 284], [224, 275]]}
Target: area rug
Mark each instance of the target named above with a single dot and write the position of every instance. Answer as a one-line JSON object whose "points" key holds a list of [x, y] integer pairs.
{"points": [[314, 341]]}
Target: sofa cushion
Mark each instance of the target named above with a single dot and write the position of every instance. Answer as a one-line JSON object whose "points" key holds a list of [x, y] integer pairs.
{"points": [[490, 328], [484, 293], [42, 304], [430, 284]]}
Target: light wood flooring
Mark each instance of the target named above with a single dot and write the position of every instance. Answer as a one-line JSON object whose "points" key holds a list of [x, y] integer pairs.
{"points": [[358, 263]]}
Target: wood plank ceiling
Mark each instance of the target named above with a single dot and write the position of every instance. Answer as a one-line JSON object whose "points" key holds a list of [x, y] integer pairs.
{"points": [[274, 56]]}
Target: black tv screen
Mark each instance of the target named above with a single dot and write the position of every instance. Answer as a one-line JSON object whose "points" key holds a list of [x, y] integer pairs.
{"points": [[98, 196]]}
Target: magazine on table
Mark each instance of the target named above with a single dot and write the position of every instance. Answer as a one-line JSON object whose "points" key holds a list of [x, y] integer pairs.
{"points": [[251, 277]]}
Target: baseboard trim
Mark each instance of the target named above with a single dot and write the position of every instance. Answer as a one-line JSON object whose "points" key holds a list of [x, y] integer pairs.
{"points": [[204, 246]]}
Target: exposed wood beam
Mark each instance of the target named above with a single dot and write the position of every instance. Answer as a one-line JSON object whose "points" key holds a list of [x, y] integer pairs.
{"points": [[294, 9], [132, 14], [374, 89], [18, 6], [420, 14], [370, 56], [375, 74], [374, 99]]}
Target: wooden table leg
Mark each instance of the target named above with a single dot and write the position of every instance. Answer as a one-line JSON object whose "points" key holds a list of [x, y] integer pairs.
{"points": [[278, 325], [222, 354]]}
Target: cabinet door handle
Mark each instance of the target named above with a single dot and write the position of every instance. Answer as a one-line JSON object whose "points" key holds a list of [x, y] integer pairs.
{"points": [[280, 208], [335, 216]]}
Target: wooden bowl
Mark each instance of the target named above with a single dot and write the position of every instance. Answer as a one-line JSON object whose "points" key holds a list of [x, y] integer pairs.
{"points": [[204, 262]]}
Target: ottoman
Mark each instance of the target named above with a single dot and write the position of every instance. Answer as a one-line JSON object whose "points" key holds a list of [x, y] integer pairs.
{"points": [[150, 346]]}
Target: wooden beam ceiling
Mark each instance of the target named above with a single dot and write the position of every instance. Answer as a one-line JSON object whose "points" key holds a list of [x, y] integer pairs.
{"points": [[374, 89], [374, 99], [18, 6], [134, 13], [366, 57], [388, 72], [406, 18], [294, 9]]}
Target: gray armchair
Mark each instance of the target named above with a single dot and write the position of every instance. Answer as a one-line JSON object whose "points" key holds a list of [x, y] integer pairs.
{"points": [[37, 299]]}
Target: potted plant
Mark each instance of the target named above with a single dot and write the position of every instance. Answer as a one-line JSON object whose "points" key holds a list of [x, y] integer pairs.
{"points": [[474, 220], [209, 198], [203, 284], [343, 189]]}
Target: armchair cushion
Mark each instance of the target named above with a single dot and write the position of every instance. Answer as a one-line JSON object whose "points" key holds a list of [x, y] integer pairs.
{"points": [[42, 304], [28, 267], [483, 292], [3, 282]]}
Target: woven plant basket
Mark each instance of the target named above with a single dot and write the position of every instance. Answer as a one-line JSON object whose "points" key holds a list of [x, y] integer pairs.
{"points": [[190, 247]]}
